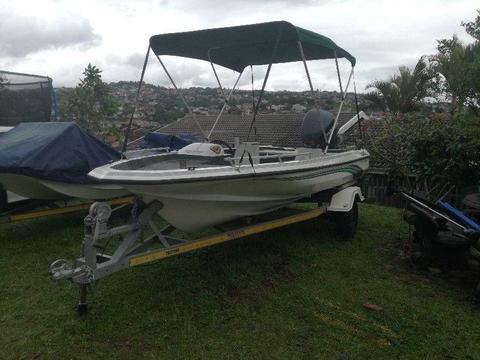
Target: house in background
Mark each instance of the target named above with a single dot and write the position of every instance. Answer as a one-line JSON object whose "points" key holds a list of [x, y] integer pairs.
{"points": [[299, 108], [269, 129]]}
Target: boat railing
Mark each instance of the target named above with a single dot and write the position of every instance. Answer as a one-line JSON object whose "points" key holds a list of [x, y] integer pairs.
{"points": [[235, 161]]}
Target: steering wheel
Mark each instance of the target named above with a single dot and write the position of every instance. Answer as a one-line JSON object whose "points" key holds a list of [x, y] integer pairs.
{"points": [[224, 144]]}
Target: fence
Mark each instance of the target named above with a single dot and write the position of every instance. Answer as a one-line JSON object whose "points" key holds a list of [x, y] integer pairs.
{"points": [[378, 188]]}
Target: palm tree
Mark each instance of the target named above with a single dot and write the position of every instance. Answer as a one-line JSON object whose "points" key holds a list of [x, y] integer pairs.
{"points": [[404, 91]]}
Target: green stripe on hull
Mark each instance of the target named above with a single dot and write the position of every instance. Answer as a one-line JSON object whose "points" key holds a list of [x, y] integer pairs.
{"points": [[355, 170]]}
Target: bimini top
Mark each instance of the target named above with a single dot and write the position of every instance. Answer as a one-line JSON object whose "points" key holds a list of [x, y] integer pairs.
{"points": [[239, 46]]}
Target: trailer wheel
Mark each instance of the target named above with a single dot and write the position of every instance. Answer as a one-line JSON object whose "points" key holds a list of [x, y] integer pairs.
{"points": [[346, 222], [3, 199]]}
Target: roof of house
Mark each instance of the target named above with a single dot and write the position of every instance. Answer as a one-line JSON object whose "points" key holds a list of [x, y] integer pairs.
{"points": [[269, 129], [276, 130]]}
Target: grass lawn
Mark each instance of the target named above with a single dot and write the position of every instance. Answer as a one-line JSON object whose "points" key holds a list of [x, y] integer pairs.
{"points": [[296, 292]]}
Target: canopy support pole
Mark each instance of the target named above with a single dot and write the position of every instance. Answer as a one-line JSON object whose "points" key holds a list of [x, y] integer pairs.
{"points": [[315, 98], [257, 106], [338, 74], [216, 76], [357, 109], [253, 97], [189, 109], [224, 104], [338, 113], [129, 127], [304, 60]]}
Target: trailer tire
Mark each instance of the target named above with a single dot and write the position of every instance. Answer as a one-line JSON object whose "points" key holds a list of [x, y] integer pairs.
{"points": [[346, 222], [3, 199]]}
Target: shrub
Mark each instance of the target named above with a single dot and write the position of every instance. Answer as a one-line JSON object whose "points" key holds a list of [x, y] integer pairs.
{"points": [[439, 153]]}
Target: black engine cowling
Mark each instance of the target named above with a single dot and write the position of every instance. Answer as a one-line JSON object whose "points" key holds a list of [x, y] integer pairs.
{"points": [[315, 127]]}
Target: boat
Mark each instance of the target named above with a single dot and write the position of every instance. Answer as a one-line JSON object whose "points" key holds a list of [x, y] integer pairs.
{"points": [[51, 160], [209, 183], [40, 157], [7, 196]]}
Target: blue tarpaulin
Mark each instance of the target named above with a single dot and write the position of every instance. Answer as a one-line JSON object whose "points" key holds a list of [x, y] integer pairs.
{"points": [[459, 215], [57, 151], [173, 142]]}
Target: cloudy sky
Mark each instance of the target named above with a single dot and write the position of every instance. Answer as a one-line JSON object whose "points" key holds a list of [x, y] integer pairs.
{"points": [[59, 38]]}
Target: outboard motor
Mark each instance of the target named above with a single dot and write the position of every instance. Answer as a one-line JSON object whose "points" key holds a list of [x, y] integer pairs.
{"points": [[315, 127]]}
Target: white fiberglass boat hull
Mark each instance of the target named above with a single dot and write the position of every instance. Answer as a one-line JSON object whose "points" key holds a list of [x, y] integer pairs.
{"points": [[29, 187], [12, 197], [33, 188], [212, 197], [86, 191], [191, 206]]}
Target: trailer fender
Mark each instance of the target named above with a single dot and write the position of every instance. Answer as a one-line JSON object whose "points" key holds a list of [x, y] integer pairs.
{"points": [[343, 200]]}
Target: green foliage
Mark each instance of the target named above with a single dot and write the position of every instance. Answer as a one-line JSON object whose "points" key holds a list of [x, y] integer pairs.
{"points": [[439, 152], [403, 92], [473, 27], [170, 107], [90, 104], [388, 147], [459, 67], [445, 154], [166, 115]]}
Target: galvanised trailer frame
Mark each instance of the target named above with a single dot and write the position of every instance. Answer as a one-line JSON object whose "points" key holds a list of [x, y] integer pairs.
{"points": [[54, 208], [135, 249]]}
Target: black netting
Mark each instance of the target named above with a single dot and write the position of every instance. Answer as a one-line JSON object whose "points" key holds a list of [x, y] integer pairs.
{"points": [[24, 98]]}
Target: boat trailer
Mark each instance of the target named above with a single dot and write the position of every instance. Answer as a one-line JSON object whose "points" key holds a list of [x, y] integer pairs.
{"points": [[30, 210], [135, 249], [443, 235]]}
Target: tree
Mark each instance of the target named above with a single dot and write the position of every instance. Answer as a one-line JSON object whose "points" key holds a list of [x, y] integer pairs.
{"points": [[458, 65], [440, 151], [403, 92], [90, 104]]}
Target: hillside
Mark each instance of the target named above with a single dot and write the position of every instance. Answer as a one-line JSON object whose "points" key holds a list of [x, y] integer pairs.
{"points": [[161, 105]]}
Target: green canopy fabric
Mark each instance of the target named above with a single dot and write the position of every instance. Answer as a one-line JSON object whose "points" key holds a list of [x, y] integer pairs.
{"points": [[239, 46]]}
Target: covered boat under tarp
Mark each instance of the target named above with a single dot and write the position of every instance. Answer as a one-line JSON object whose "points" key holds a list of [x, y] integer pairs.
{"points": [[55, 151]]}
